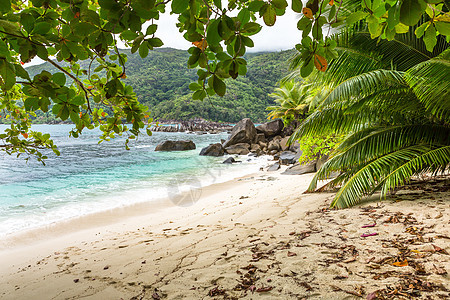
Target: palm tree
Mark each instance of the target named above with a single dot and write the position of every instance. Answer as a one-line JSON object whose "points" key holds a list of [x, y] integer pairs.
{"points": [[392, 99], [293, 100]]}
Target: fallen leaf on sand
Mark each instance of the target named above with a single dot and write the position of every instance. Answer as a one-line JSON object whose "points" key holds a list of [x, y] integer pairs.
{"points": [[439, 249], [216, 291], [372, 296], [368, 234], [349, 260], [370, 225], [439, 270], [401, 263], [264, 289], [155, 296]]}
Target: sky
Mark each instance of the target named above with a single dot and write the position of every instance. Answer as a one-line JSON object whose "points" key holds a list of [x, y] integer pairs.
{"points": [[282, 36]]}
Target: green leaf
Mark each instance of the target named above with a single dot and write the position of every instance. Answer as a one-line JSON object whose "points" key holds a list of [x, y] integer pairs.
{"points": [[56, 108], [218, 86], [111, 88], [317, 31], [303, 23], [430, 38], [374, 26], [64, 113], [194, 86], [155, 42], [137, 43], [297, 6], [244, 15], [31, 103], [218, 4], [255, 5], [128, 35], [212, 33], [332, 13], [250, 29], [401, 28], [280, 4], [4, 50], [199, 95], [21, 72], [151, 29], [270, 16], [77, 100], [306, 42], [108, 4], [355, 17], [27, 22], [393, 16], [41, 28], [179, 6], [5, 6], [421, 29], [143, 49], [411, 11], [443, 27], [74, 117], [59, 78], [7, 73], [307, 67]]}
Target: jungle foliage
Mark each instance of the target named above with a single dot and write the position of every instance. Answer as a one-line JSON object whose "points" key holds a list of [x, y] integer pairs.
{"points": [[74, 31], [393, 109], [161, 82]]}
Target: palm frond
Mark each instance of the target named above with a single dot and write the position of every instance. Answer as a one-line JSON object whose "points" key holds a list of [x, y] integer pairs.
{"points": [[365, 84], [430, 81], [365, 180], [433, 161]]}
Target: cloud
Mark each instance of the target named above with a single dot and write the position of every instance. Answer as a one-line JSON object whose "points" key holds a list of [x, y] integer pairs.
{"points": [[283, 35]]}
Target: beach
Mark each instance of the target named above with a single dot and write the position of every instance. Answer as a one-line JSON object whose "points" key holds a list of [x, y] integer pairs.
{"points": [[254, 237]]}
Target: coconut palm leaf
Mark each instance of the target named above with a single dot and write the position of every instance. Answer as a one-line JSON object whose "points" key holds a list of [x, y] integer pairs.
{"points": [[368, 145], [392, 99], [365, 180], [433, 161], [365, 84], [430, 81]]}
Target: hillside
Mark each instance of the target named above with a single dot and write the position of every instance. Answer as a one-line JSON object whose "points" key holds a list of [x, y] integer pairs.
{"points": [[161, 81]]}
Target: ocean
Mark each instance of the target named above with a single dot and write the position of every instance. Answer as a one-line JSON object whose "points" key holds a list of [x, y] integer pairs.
{"points": [[88, 177]]}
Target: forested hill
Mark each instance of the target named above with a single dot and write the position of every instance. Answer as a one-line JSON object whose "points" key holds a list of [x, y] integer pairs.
{"points": [[161, 81]]}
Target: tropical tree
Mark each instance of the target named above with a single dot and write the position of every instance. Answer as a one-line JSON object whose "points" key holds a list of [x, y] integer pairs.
{"points": [[293, 99], [391, 98], [66, 33]]}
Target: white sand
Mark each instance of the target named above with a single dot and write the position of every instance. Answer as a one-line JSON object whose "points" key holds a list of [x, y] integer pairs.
{"points": [[238, 240]]}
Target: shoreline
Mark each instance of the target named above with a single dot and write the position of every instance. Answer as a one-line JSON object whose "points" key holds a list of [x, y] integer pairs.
{"points": [[109, 217], [213, 174], [255, 237]]}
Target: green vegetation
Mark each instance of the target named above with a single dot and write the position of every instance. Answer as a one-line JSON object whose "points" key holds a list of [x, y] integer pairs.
{"points": [[292, 101], [319, 146], [161, 82], [387, 70], [391, 100]]}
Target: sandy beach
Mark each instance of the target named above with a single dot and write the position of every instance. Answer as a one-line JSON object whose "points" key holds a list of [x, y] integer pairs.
{"points": [[254, 237]]}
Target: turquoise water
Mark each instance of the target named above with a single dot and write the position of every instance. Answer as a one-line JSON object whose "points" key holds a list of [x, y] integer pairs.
{"points": [[88, 177]]}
